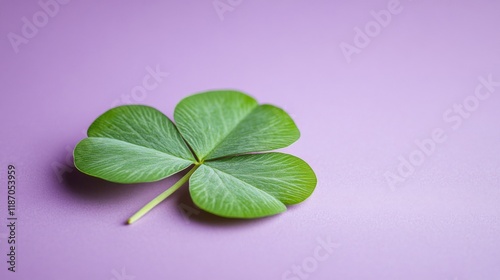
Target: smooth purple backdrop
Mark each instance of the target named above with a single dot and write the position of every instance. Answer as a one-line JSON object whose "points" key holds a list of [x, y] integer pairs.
{"points": [[360, 112]]}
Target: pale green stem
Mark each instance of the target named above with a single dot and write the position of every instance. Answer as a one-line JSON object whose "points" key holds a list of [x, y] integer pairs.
{"points": [[162, 196]]}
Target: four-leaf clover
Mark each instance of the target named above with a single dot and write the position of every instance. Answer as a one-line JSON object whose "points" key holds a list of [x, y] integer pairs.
{"points": [[218, 134]]}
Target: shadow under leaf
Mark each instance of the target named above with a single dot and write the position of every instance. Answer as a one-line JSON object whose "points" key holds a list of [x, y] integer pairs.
{"points": [[99, 191]]}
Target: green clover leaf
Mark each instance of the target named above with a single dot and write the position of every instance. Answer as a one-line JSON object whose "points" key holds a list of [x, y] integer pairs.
{"points": [[224, 130]]}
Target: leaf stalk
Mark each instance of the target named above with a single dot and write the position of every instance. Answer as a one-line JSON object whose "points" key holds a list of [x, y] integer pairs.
{"points": [[164, 195]]}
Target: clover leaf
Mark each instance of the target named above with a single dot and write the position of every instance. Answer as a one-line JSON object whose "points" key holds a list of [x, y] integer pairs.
{"points": [[219, 134]]}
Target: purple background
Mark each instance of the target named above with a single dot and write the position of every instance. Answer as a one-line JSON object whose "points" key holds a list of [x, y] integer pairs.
{"points": [[356, 119]]}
